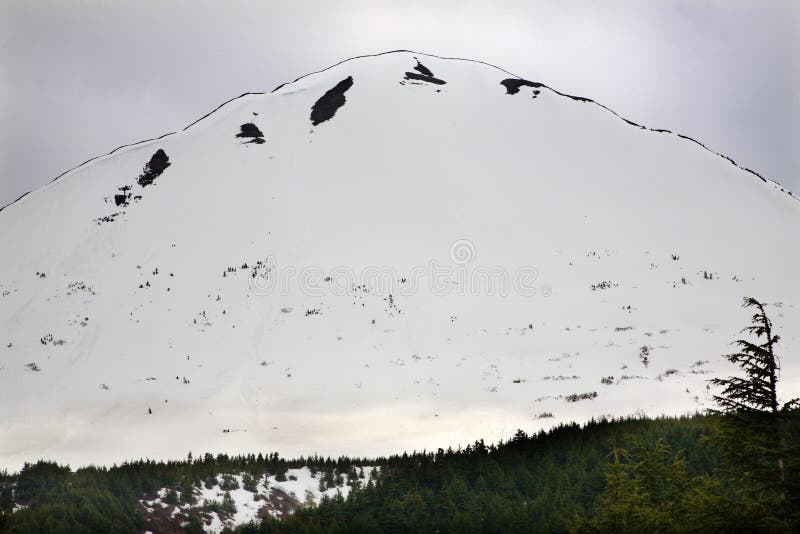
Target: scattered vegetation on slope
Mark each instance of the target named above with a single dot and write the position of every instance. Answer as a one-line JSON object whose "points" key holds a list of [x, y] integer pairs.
{"points": [[736, 469]]}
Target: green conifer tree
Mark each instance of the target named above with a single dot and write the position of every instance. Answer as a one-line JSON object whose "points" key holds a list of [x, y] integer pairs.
{"points": [[752, 429]]}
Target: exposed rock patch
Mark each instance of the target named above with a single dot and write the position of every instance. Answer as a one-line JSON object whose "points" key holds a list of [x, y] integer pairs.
{"points": [[154, 168], [123, 198], [250, 131], [424, 78], [328, 104], [422, 69], [512, 85]]}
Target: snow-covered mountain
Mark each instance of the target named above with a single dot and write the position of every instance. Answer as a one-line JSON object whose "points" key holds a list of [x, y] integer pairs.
{"points": [[400, 251]]}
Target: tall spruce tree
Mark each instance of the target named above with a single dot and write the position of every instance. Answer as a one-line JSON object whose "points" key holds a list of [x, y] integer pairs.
{"points": [[752, 433]]}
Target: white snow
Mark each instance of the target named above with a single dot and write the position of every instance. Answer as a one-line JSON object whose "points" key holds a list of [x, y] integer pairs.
{"points": [[301, 485], [305, 487], [216, 525], [553, 194]]}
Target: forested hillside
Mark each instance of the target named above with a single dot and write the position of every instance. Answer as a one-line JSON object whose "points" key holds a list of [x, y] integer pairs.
{"points": [[608, 475]]}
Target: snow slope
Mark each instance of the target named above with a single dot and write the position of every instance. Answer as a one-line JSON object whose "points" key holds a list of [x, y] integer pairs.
{"points": [[532, 244]]}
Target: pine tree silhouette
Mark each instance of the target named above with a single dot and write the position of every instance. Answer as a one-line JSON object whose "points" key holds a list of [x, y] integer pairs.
{"points": [[752, 430]]}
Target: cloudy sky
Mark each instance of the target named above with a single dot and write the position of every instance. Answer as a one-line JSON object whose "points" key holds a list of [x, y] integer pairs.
{"points": [[80, 77]]}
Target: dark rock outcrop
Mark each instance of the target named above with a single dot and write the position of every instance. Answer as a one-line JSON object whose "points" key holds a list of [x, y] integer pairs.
{"points": [[251, 131], [512, 85], [157, 164], [328, 104], [422, 69], [424, 78]]}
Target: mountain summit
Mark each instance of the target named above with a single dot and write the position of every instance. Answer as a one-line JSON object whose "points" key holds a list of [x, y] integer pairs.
{"points": [[400, 251]]}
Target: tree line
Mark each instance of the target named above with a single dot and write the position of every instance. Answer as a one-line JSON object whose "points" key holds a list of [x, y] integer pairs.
{"points": [[735, 468]]}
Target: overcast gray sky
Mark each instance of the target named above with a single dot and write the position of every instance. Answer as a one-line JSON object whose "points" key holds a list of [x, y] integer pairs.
{"points": [[78, 78]]}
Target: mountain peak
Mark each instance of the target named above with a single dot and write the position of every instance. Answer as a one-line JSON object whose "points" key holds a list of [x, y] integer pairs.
{"points": [[399, 241]]}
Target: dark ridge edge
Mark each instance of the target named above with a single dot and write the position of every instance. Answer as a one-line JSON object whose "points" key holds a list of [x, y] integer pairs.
{"points": [[387, 53], [362, 56], [127, 145], [220, 107], [662, 130], [76, 167]]}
